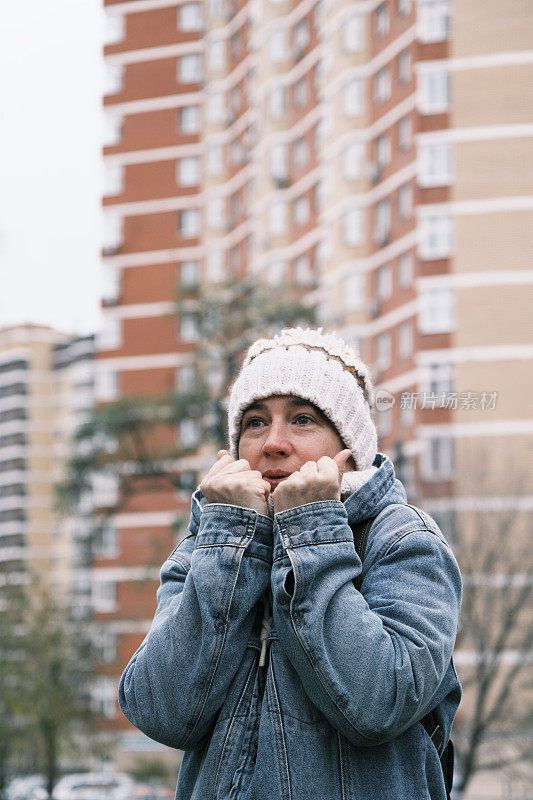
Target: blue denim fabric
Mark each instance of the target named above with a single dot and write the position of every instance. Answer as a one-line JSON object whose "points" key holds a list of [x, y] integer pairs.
{"points": [[334, 713]]}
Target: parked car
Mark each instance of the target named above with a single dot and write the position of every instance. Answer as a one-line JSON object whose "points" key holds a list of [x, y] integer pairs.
{"points": [[30, 787], [148, 792], [94, 786]]}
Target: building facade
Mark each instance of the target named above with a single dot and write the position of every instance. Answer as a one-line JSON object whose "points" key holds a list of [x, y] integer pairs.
{"points": [[375, 154]]}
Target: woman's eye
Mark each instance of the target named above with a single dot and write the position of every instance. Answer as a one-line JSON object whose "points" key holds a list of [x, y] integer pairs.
{"points": [[303, 419], [253, 422]]}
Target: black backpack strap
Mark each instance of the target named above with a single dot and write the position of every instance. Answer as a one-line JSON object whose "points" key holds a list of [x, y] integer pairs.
{"points": [[436, 734], [360, 538], [433, 729]]}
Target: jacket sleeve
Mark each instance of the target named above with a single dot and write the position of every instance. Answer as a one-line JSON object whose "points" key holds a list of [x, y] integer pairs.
{"points": [[370, 661], [207, 601]]}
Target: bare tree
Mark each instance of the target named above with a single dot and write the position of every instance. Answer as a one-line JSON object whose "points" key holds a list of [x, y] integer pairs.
{"points": [[494, 725]]}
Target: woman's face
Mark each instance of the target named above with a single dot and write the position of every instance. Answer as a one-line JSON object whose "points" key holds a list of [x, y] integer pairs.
{"points": [[280, 433]]}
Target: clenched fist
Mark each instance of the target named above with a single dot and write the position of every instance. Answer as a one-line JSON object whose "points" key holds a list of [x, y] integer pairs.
{"points": [[315, 480], [234, 483]]}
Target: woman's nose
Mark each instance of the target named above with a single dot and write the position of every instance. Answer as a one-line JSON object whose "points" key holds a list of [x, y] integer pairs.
{"points": [[277, 441]]}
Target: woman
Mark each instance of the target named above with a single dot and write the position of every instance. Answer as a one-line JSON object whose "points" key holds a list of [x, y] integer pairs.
{"points": [[283, 665]]}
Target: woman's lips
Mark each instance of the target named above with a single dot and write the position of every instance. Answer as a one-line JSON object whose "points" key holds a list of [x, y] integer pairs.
{"points": [[274, 480]]}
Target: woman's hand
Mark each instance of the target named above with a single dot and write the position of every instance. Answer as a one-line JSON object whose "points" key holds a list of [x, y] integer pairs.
{"points": [[315, 480], [234, 483]]}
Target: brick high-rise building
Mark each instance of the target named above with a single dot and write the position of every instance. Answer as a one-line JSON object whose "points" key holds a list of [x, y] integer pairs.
{"points": [[376, 153]]}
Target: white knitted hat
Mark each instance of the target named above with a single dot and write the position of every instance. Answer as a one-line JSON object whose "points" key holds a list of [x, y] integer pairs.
{"points": [[318, 367]]}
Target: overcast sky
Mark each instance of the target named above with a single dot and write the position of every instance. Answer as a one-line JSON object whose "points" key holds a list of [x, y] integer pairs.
{"points": [[50, 164]]}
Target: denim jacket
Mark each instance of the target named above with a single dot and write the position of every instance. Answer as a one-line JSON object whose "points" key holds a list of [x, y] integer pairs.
{"points": [[334, 712]]}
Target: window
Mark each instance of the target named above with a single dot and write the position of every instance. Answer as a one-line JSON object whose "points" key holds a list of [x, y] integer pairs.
{"points": [[435, 236], [318, 14], [383, 351], [114, 76], [106, 384], [382, 20], [104, 595], [404, 66], [216, 212], [103, 697], [111, 284], [105, 489], [112, 128], [353, 231], [300, 153], [279, 162], [188, 433], [301, 211], [236, 152], [189, 120], [113, 232], [235, 98], [105, 541], [301, 37], [405, 270], [319, 194], [278, 44], [382, 222], [353, 97], [105, 642], [215, 159], [405, 133], [404, 7], [188, 171], [215, 265], [190, 68], [217, 55], [216, 106], [110, 334], [278, 219], [186, 378], [437, 459], [188, 328], [434, 163], [353, 160], [276, 273], [405, 202], [115, 27], [300, 93], [433, 20], [189, 223], [354, 291], [437, 310], [382, 85], [438, 379], [189, 17], [302, 270], [434, 92], [235, 45], [384, 282], [189, 273], [277, 102], [383, 150], [353, 33], [405, 340], [113, 179]]}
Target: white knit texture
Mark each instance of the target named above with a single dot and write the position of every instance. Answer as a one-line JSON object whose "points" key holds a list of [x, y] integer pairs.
{"points": [[282, 366]]}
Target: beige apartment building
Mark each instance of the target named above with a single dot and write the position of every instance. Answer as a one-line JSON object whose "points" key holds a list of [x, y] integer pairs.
{"points": [[43, 397], [376, 154]]}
